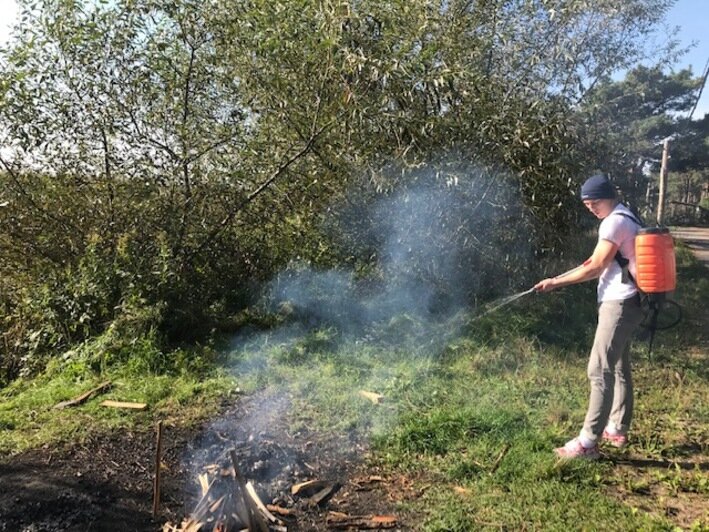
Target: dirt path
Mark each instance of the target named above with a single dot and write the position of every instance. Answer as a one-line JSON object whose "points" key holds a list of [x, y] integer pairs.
{"points": [[697, 238]]}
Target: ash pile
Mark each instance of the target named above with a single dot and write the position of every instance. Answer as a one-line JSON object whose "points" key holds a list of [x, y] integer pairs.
{"points": [[252, 474]]}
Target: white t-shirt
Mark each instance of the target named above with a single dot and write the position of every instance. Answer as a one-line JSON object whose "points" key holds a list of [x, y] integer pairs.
{"points": [[620, 230]]}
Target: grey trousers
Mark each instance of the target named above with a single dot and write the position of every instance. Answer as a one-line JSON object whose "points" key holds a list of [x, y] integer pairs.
{"points": [[609, 367]]}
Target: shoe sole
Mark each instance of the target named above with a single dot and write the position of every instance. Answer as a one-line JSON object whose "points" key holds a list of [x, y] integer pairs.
{"points": [[615, 443]]}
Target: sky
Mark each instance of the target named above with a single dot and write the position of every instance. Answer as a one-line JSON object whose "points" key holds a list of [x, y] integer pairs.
{"points": [[690, 15]]}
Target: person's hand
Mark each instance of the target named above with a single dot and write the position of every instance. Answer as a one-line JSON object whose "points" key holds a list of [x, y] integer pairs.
{"points": [[546, 285]]}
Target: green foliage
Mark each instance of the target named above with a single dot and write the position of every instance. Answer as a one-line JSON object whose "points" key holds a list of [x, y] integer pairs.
{"points": [[169, 157], [689, 180]]}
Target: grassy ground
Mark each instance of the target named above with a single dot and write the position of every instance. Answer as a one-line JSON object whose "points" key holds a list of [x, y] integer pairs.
{"points": [[180, 387], [471, 412]]}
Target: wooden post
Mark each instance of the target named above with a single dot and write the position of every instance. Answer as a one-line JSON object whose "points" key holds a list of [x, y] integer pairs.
{"points": [[663, 180], [156, 479]]}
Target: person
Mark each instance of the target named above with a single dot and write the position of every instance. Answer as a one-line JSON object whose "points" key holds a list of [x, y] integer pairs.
{"points": [[610, 408]]}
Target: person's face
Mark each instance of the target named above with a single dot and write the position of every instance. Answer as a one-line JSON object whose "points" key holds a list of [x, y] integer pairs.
{"points": [[600, 207]]}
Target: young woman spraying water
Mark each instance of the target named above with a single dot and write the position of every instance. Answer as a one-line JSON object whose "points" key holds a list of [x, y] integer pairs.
{"points": [[610, 408]]}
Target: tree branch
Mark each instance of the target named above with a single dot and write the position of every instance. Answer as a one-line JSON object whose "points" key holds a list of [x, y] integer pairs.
{"points": [[16, 179], [209, 148], [187, 192], [255, 193]]}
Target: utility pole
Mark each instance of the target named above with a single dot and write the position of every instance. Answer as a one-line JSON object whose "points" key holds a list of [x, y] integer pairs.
{"points": [[663, 180]]}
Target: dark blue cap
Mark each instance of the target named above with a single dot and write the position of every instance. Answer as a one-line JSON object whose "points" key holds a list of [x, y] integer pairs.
{"points": [[597, 187]]}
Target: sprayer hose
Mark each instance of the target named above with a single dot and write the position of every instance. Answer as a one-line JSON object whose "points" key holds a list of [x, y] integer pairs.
{"points": [[654, 311]]}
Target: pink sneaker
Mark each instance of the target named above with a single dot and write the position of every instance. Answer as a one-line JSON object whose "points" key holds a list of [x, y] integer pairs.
{"points": [[574, 449], [616, 440]]}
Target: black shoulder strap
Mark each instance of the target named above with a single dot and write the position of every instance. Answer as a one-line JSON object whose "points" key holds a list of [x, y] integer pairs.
{"points": [[630, 216], [620, 259]]}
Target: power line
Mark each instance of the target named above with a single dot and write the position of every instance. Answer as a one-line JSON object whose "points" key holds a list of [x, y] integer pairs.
{"points": [[704, 81]]}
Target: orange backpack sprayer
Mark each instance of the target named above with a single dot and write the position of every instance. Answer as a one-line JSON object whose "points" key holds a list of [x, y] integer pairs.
{"points": [[655, 272], [656, 275], [655, 258]]}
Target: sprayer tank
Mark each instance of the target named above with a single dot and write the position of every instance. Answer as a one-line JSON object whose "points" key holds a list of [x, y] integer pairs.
{"points": [[655, 257]]}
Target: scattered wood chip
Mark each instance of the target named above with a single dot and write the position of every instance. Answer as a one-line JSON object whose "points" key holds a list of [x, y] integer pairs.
{"points": [[204, 500], [187, 525], [124, 404], [376, 398], [362, 522], [259, 504], [279, 510], [369, 479], [460, 490], [367, 483], [212, 468], [214, 507], [324, 494], [204, 484], [389, 520], [305, 488], [81, 399]]}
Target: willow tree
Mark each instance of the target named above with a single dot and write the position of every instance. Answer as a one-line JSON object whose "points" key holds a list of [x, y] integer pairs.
{"points": [[171, 152], [497, 81]]}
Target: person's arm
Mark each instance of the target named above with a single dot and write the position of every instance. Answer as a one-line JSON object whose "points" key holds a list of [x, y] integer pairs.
{"points": [[602, 256]]}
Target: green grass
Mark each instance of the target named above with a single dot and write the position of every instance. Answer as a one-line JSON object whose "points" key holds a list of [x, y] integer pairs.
{"points": [[472, 408], [521, 398], [482, 412], [175, 391], [521, 415]]}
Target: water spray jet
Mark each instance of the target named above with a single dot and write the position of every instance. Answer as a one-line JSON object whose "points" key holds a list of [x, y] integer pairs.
{"points": [[504, 301]]}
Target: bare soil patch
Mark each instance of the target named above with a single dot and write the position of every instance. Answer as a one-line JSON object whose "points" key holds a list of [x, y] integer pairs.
{"points": [[664, 488], [105, 482]]}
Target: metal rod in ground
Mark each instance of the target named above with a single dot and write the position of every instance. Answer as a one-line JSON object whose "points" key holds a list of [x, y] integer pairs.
{"points": [[156, 478]]}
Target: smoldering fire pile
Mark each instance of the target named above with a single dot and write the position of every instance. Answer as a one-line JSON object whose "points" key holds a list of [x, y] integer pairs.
{"points": [[250, 466], [231, 504], [235, 505]]}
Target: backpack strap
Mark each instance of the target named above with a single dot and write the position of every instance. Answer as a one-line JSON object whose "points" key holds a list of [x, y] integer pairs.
{"points": [[620, 259], [630, 216]]}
